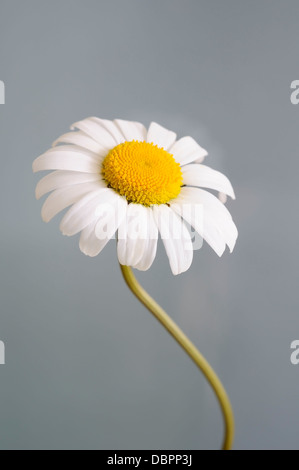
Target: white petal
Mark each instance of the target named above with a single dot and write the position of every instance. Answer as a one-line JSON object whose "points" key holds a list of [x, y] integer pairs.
{"points": [[89, 244], [75, 149], [59, 179], [96, 235], [111, 127], [59, 158], [151, 247], [110, 215], [64, 197], [215, 213], [230, 233], [133, 236], [222, 197], [201, 158], [160, 136], [83, 212], [206, 177], [208, 199], [176, 238], [195, 216], [131, 130], [96, 131], [187, 150], [81, 139]]}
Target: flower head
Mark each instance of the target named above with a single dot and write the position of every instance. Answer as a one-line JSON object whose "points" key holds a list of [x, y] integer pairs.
{"points": [[119, 177]]}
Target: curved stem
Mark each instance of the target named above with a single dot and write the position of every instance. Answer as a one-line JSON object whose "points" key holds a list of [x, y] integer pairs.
{"points": [[190, 349]]}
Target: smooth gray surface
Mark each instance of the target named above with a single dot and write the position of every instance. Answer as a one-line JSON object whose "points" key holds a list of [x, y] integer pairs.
{"points": [[87, 366]]}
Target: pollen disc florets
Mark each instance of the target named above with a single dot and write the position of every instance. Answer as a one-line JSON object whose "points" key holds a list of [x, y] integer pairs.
{"points": [[143, 173]]}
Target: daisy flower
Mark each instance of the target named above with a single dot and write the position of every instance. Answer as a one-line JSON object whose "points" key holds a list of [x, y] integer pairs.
{"points": [[120, 178]]}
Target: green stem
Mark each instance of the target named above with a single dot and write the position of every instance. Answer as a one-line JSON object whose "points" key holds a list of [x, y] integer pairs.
{"points": [[189, 348]]}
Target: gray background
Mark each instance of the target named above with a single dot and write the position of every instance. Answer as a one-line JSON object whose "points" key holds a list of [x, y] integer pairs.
{"points": [[87, 366]]}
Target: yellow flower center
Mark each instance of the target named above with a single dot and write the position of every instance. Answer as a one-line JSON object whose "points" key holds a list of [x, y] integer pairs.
{"points": [[143, 173]]}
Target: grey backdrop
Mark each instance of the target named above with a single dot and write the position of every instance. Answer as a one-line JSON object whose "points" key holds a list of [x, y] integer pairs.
{"points": [[87, 366]]}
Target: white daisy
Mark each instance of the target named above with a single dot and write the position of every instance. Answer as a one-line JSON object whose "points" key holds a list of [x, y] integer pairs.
{"points": [[119, 177]]}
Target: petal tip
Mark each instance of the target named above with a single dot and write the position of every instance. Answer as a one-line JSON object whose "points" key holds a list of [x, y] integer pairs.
{"points": [[34, 167], [220, 251], [74, 126], [37, 194], [85, 252], [45, 219]]}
